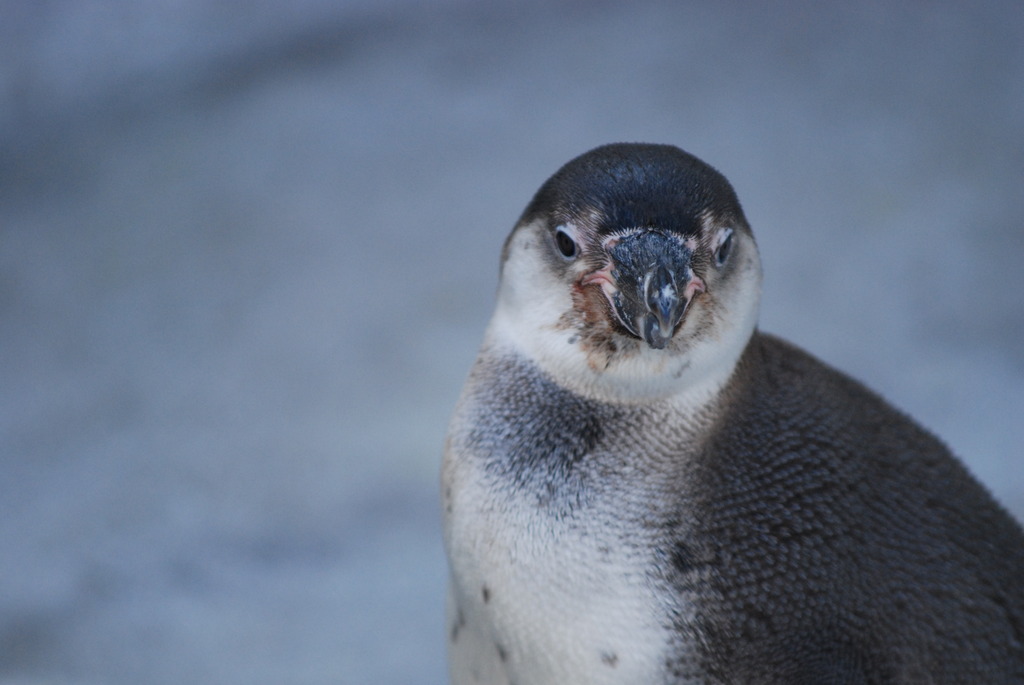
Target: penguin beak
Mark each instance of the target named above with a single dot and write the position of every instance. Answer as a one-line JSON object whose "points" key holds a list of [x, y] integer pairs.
{"points": [[654, 284]]}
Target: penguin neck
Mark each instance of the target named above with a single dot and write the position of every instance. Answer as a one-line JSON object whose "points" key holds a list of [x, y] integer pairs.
{"points": [[688, 381]]}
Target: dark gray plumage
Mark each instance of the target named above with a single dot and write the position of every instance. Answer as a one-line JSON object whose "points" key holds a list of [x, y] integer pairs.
{"points": [[641, 488], [845, 543]]}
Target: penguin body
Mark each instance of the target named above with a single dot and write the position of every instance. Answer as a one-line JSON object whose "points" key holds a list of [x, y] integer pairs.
{"points": [[639, 487]]}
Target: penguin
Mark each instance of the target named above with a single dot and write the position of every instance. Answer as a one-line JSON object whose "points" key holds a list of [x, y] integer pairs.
{"points": [[639, 486]]}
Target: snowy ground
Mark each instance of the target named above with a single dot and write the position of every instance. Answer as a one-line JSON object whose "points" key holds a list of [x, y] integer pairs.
{"points": [[246, 257]]}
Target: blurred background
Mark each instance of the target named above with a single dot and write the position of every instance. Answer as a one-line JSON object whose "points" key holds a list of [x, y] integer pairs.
{"points": [[248, 250]]}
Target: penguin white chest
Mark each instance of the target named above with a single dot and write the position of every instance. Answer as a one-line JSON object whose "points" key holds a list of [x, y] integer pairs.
{"points": [[537, 599]]}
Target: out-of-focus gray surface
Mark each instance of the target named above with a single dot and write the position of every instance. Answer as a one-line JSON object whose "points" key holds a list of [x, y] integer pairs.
{"points": [[247, 251]]}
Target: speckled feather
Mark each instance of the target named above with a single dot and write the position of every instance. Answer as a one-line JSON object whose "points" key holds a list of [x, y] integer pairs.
{"points": [[820, 535]]}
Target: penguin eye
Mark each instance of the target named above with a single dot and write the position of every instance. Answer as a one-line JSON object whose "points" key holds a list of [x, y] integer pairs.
{"points": [[724, 248], [566, 245]]}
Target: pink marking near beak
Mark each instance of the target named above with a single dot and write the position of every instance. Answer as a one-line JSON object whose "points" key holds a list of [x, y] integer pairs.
{"points": [[696, 285], [601, 277]]}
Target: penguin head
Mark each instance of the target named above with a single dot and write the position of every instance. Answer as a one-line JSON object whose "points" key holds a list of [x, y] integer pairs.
{"points": [[632, 274]]}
